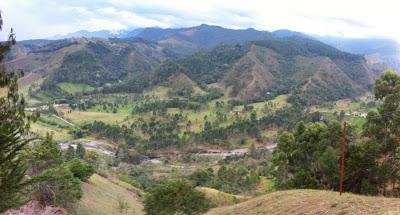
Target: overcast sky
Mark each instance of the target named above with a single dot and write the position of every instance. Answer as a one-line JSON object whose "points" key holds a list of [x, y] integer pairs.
{"points": [[33, 19]]}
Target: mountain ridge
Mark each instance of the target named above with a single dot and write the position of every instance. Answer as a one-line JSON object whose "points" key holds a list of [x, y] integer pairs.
{"points": [[380, 52], [248, 69]]}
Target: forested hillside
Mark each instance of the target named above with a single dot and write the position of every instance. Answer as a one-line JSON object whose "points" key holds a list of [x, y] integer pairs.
{"points": [[304, 68], [281, 63]]}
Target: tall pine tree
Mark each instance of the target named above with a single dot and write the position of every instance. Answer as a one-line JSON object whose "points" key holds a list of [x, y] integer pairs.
{"points": [[70, 153], [80, 151], [12, 127]]}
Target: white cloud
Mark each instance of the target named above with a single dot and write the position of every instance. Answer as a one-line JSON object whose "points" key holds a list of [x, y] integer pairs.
{"points": [[356, 18]]}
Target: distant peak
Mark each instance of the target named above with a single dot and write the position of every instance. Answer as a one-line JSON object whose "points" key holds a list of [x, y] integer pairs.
{"points": [[207, 26]]}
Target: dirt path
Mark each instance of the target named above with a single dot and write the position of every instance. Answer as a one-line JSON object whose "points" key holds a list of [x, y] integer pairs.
{"points": [[64, 120]]}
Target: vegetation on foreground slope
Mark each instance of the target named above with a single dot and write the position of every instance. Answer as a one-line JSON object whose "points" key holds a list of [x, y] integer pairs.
{"points": [[103, 197], [298, 202]]}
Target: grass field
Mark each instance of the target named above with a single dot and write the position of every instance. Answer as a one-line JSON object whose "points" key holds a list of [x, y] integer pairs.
{"points": [[101, 197], [279, 101], [344, 104], [312, 202], [75, 88], [53, 125], [158, 91], [79, 117], [59, 134], [357, 122]]}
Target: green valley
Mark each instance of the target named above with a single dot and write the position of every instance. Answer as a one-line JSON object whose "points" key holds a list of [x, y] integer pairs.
{"points": [[195, 120]]}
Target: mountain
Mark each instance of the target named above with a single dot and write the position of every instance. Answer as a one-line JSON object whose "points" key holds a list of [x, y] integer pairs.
{"points": [[381, 53], [92, 61], [250, 65], [306, 69], [100, 34], [288, 33], [204, 36], [186, 40]]}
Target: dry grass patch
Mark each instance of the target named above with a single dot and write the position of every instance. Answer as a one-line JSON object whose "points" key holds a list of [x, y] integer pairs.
{"points": [[103, 197], [312, 202]]}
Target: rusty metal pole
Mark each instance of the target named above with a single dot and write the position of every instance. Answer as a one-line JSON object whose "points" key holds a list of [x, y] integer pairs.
{"points": [[343, 145]]}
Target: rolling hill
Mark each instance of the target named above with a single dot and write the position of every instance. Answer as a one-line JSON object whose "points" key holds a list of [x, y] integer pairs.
{"points": [[311, 202]]}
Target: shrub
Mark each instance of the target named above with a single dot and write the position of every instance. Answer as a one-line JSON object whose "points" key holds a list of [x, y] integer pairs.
{"points": [[56, 186], [175, 197], [80, 169], [122, 205]]}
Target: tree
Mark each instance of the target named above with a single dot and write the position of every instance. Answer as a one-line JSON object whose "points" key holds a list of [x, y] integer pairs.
{"points": [[362, 168], [53, 181], [175, 197], [44, 155], [70, 153], [12, 128], [342, 115], [81, 169], [58, 186], [309, 156], [201, 177], [328, 165], [383, 127], [80, 151]]}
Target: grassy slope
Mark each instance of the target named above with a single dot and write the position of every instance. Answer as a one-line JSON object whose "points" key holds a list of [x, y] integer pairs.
{"points": [[221, 198], [51, 124], [279, 101], [101, 197], [59, 134], [312, 202]]}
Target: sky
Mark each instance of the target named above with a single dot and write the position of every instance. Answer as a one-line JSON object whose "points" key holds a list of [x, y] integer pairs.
{"points": [[34, 19]]}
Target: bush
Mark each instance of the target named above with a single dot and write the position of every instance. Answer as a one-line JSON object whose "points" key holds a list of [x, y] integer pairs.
{"points": [[56, 187], [122, 205], [80, 169], [175, 197], [201, 177]]}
